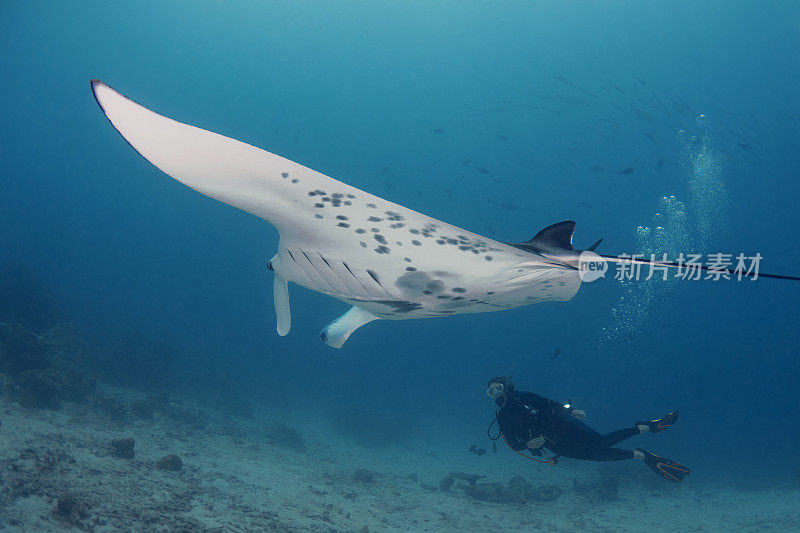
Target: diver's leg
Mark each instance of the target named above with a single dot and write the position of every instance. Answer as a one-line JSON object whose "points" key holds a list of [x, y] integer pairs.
{"points": [[604, 454], [615, 437]]}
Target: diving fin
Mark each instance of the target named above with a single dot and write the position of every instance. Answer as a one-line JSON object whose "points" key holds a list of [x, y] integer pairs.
{"points": [[666, 468], [660, 424], [337, 332]]}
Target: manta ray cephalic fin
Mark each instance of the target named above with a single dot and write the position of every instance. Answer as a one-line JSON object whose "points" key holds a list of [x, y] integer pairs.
{"points": [[283, 313], [337, 332]]}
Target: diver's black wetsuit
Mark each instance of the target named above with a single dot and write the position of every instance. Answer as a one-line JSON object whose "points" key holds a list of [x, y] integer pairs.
{"points": [[527, 415]]}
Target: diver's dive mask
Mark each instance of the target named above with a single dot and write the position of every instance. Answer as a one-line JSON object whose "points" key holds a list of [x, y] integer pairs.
{"points": [[495, 390]]}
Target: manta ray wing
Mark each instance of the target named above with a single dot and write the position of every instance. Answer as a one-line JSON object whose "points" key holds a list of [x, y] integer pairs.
{"points": [[386, 260]]}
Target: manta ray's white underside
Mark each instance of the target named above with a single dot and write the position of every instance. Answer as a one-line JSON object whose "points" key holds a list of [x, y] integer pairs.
{"points": [[385, 260]]}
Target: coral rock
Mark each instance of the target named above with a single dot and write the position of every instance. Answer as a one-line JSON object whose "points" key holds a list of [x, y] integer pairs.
{"points": [[123, 448], [171, 462]]}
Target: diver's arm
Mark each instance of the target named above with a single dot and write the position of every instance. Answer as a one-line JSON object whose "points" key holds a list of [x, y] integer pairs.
{"points": [[535, 443], [506, 429], [547, 409]]}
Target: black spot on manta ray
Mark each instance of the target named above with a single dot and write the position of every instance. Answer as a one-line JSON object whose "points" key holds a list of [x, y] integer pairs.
{"points": [[295, 180], [318, 216], [372, 206], [348, 202], [351, 196], [375, 230], [414, 231], [416, 243], [408, 259], [363, 244], [401, 306], [374, 219], [341, 217], [458, 289], [326, 199], [439, 241], [436, 286], [383, 249], [343, 225], [397, 225], [380, 238], [361, 230], [319, 205], [284, 175]]}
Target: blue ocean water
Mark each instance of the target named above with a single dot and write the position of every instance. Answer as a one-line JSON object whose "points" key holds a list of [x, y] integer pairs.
{"points": [[498, 118]]}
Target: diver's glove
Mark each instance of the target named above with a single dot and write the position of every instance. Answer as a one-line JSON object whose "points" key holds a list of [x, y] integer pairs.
{"points": [[535, 444], [579, 414]]}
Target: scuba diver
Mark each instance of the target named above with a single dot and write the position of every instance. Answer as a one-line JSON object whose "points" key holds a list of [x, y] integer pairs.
{"points": [[530, 422]]}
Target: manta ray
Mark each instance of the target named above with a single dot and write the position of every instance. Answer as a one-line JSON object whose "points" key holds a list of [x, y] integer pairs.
{"points": [[385, 260]]}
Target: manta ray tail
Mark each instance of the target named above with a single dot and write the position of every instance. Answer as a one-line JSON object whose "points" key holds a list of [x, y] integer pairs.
{"points": [[732, 274], [337, 332]]}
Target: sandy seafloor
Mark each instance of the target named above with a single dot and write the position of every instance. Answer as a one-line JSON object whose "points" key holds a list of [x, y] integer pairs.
{"points": [[236, 478]]}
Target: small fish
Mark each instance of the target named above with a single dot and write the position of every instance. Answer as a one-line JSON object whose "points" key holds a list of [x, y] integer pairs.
{"points": [[480, 451], [502, 138], [563, 80], [637, 79], [628, 170], [597, 169], [555, 354], [617, 87], [482, 170], [660, 163], [508, 206], [745, 146], [438, 131], [587, 204], [473, 448], [385, 169]]}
